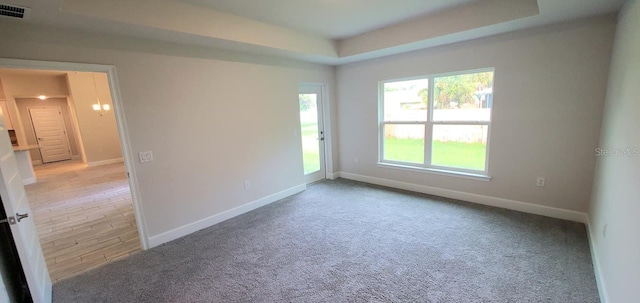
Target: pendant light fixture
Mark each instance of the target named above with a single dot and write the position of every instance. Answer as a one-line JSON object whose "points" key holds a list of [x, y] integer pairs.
{"points": [[99, 107]]}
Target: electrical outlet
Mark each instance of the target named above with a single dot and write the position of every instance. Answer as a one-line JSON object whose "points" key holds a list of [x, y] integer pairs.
{"points": [[146, 156], [604, 230], [540, 181], [247, 184]]}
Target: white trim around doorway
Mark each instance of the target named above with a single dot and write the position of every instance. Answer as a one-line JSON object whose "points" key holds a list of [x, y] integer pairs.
{"points": [[114, 89], [326, 121]]}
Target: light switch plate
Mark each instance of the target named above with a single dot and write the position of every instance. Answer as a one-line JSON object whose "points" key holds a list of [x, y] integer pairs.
{"points": [[146, 156]]}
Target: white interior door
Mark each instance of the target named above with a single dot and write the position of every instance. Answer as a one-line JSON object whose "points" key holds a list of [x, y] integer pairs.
{"points": [[4, 296], [23, 228], [312, 132], [50, 133]]}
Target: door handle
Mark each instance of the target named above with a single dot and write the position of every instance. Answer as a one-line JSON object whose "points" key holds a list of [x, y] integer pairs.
{"points": [[21, 216], [10, 220], [40, 138]]}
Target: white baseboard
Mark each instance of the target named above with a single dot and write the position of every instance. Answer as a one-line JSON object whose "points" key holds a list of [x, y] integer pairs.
{"points": [[27, 181], [223, 216], [592, 234], [105, 162], [531, 208], [39, 162]]}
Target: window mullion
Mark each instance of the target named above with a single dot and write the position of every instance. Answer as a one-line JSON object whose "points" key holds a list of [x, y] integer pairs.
{"points": [[428, 131], [404, 122], [381, 119], [428, 135], [462, 122], [381, 141], [430, 99]]}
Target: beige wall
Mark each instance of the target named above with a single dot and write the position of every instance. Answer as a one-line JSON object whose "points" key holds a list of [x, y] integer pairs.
{"points": [[616, 193], [34, 85], [456, 20], [203, 22], [212, 118], [549, 92], [23, 107], [100, 137], [29, 86], [1, 90]]}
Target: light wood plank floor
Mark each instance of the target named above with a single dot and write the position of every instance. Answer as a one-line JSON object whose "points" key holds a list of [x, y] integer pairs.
{"points": [[84, 216]]}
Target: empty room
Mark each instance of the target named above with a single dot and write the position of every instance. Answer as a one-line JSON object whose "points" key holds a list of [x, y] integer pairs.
{"points": [[324, 151]]}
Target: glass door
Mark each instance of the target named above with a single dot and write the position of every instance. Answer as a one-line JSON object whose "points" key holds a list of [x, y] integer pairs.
{"points": [[312, 132]]}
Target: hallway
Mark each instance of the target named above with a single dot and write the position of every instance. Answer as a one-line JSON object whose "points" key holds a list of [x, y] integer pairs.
{"points": [[84, 216]]}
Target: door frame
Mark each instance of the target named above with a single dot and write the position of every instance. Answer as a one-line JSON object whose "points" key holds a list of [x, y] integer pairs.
{"points": [[64, 128], [114, 89], [326, 123]]}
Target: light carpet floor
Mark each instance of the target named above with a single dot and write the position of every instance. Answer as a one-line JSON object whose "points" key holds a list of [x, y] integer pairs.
{"points": [[344, 241]]}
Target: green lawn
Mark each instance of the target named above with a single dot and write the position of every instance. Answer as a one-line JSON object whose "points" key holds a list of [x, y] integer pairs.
{"points": [[309, 129], [451, 154], [310, 152], [404, 150]]}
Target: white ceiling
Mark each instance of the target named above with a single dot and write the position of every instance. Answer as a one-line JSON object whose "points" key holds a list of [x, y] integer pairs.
{"points": [[323, 31], [335, 19]]}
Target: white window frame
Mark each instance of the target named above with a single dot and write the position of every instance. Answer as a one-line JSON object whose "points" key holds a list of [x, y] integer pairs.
{"points": [[428, 135]]}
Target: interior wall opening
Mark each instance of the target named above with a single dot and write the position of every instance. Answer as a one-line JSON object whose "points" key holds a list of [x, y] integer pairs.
{"points": [[68, 147]]}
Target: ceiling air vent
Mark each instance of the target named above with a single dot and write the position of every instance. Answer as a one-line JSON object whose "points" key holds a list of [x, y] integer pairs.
{"points": [[12, 11]]}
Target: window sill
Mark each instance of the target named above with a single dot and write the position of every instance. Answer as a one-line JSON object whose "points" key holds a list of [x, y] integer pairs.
{"points": [[436, 171]]}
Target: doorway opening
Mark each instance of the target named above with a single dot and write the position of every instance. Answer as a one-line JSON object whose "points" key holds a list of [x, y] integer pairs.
{"points": [[312, 132], [76, 174]]}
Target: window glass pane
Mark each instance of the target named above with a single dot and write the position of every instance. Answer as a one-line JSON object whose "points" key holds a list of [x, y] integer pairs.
{"points": [[465, 97], [406, 100], [309, 132], [404, 143], [460, 146]]}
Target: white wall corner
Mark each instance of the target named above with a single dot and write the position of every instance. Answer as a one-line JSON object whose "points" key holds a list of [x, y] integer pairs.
{"points": [[333, 176], [525, 207], [591, 235], [105, 162], [223, 216]]}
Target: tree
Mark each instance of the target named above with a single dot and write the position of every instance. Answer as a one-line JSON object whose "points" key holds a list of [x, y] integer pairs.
{"points": [[305, 102], [455, 91], [424, 94]]}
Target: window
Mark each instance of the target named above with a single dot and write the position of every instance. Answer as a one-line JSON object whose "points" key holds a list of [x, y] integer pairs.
{"points": [[439, 122]]}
